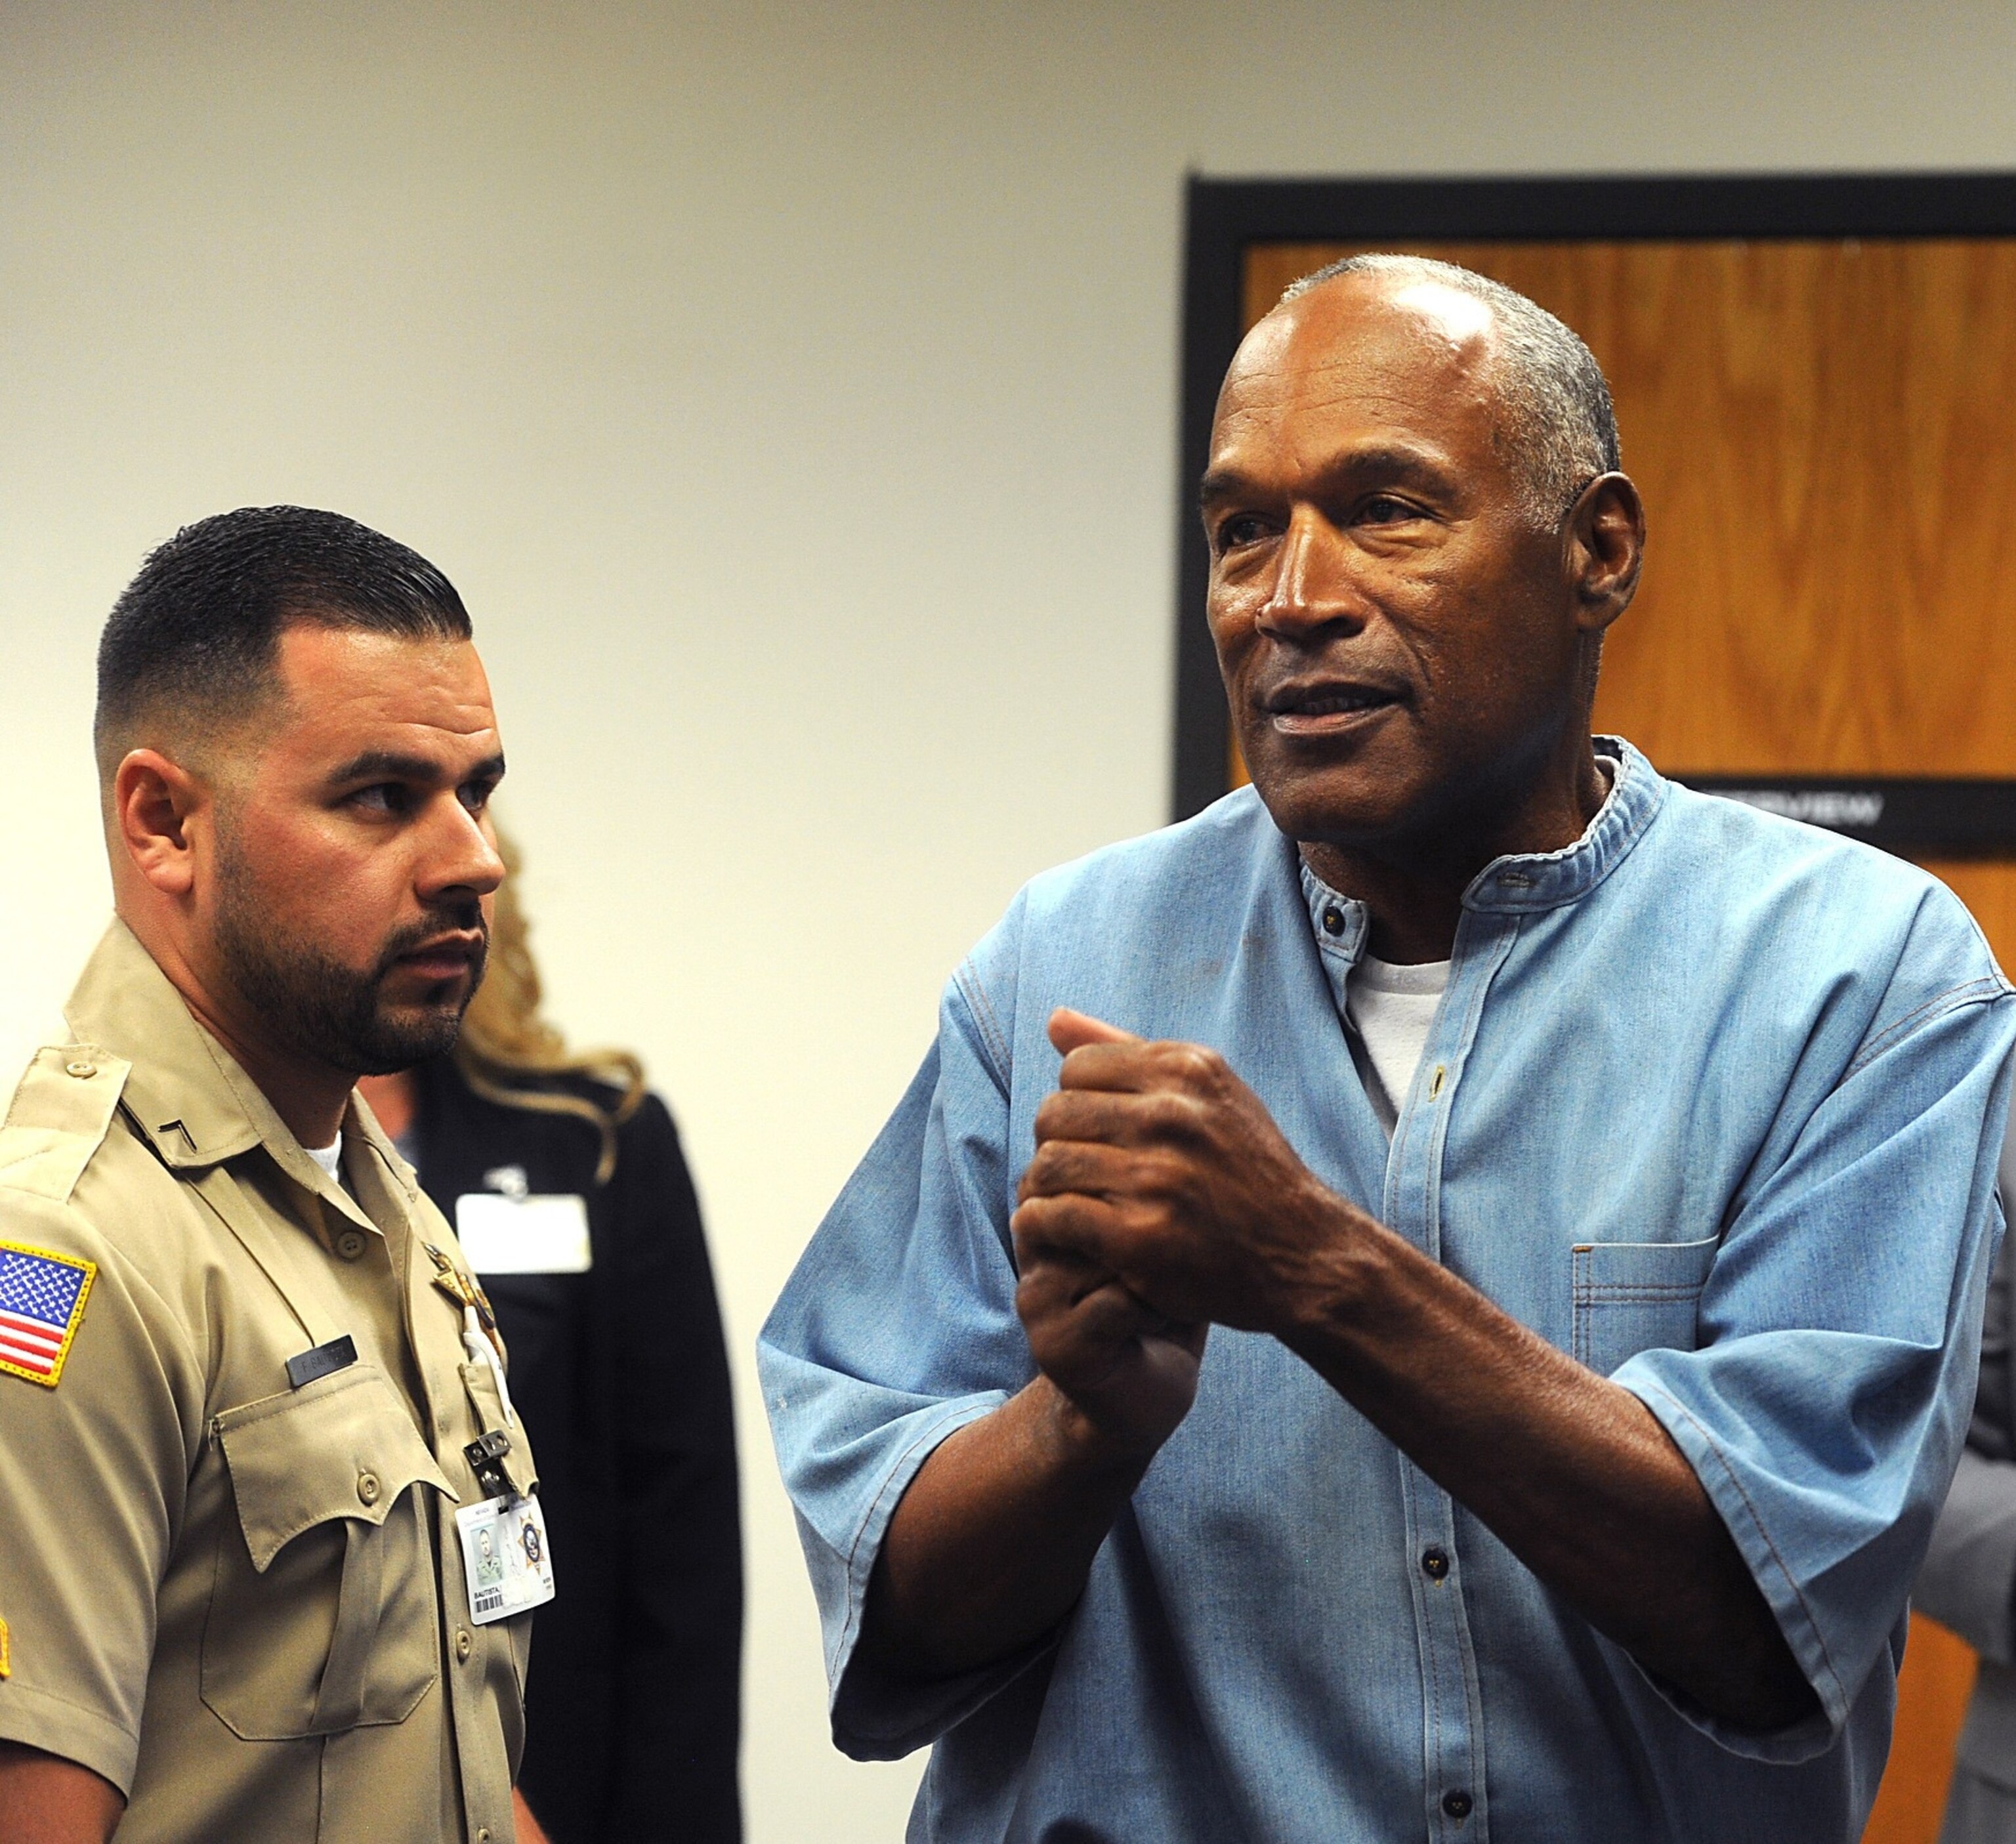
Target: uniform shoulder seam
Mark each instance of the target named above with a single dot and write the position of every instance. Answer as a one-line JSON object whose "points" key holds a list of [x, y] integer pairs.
{"points": [[62, 1109]]}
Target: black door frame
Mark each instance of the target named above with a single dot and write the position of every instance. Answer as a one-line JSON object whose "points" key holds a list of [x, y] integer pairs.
{"points": [[1224, 216]]}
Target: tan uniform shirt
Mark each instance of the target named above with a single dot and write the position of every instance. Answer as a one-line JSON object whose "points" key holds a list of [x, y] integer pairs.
{"points": [[242, 1602]]}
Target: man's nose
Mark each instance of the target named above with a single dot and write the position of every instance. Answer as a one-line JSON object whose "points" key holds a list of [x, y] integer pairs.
{"points": [[460, 856], [1311, 586]]}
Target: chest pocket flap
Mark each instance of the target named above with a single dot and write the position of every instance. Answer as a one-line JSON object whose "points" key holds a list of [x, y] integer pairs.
{"points": [[348, 1450], [324, 1617], [1631, 1297]]}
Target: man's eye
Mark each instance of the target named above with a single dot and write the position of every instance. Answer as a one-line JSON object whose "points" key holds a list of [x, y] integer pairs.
{"points": [[1242, 528], [1383, 509], [476, 795], [382, 796]]}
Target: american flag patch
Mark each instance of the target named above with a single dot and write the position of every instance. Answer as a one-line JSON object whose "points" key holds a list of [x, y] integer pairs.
{"points": [[41, 1304]]}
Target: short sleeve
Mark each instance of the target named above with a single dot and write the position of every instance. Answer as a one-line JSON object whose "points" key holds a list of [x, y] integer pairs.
{"points": [[1825, 1407], [92, 1475], [897, 1328]]}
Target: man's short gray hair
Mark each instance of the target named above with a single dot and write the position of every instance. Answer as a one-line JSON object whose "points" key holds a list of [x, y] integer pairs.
{"points": [[1563, 426]]}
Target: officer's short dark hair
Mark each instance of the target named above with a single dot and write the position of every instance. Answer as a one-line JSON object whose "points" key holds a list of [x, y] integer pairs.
{"points": [[195, 636]]}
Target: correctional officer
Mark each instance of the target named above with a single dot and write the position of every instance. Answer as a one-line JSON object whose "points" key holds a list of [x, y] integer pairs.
{"points": [[253, 1413]]}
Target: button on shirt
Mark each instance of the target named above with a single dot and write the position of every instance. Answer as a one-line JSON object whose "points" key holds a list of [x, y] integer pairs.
{"points": [[1712, 1102], [231, 1597]]}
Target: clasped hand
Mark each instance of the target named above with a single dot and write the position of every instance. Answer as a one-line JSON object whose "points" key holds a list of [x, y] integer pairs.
{"points": [[1162, 1198]]}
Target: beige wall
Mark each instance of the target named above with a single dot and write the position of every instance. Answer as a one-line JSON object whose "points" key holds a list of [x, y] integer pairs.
{"points": [[790, 391]]}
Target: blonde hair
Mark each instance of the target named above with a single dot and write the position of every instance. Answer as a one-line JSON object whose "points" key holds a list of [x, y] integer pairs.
{"points": [[505, 1044]]}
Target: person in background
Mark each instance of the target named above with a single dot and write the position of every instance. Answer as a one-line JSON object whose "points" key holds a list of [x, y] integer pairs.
{"points": [[564, 1177], [1969, 1572]]}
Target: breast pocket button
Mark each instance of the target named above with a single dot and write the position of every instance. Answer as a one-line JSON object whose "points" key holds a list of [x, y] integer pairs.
{"points": [[349, 1244], [367, 1488]]}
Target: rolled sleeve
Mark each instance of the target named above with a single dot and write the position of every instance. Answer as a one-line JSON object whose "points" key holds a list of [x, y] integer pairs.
{"points": [[1824, 1410], [898, 1328]]}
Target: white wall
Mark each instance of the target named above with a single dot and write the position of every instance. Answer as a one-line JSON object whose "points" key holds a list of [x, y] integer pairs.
{"points": [[791, 393]]}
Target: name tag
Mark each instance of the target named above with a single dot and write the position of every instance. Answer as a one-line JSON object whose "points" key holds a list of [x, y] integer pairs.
{"points": [[532, 1235], [324, 1360], [505, 1558]]}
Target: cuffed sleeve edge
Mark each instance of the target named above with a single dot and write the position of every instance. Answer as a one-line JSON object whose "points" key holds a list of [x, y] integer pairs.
{"points": [[911, 1728], [39, 1718], [1804, 1740]]}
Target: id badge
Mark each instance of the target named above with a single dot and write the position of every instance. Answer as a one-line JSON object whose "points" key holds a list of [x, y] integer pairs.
{"points": [[523, 1235], [505, 1558]]}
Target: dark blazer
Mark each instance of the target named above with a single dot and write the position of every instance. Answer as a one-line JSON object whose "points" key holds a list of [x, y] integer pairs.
{"points": [[622, 1377]]}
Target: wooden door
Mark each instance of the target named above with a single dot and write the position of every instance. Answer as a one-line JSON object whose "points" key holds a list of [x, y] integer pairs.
{"points": [[1821, 431]]}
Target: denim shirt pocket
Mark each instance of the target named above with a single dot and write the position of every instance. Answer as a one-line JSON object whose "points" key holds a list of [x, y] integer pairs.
{"points": [[1631, 1297]]}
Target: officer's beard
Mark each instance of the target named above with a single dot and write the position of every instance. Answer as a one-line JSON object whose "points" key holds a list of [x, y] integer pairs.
{"points": [[320, 1009]]}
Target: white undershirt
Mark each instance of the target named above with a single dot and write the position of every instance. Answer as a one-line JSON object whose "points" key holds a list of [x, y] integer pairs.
{"points": [[329, 1158], [1391, 1007]]}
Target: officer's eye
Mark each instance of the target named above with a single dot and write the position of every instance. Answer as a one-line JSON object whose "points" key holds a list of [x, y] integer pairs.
{"points": [[475, 795], [383, 796]]}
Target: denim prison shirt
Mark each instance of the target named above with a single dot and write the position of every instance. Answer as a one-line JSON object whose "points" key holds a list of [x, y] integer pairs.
{"points": [[1712, 1102]]}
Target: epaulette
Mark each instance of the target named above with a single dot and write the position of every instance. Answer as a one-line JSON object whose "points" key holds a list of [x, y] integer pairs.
{"points": [[61, 1111]]}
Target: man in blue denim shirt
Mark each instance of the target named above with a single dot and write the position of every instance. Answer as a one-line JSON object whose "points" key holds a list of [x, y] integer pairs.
{"points": [[1226, 1404]]}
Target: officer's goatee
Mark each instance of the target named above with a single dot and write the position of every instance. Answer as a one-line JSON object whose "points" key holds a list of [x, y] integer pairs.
{"points": [[339, 1014]]}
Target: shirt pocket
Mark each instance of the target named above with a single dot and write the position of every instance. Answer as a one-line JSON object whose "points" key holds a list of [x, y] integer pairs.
{"points": [[323, 1611], [1631, 1297]]}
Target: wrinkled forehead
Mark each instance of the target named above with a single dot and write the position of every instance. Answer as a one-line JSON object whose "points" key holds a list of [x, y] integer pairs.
{"points": [[1389, 346]]}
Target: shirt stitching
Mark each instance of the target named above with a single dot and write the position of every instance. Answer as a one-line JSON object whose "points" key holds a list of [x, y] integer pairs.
{"points": [[857, 1601], [993, 1039], [96, 1715], [1977, 992], [1749, 1504]]}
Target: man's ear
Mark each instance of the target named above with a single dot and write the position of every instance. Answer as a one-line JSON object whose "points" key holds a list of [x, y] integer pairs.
{"points": [[154, 801], [1605, 537]]}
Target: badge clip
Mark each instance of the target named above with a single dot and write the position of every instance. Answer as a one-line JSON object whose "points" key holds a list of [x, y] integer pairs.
{"points": [[485, 1455]]}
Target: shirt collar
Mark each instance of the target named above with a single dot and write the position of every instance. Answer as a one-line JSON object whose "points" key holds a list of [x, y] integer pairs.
{"points": [[186, 1092], [1530, 881], [1520, 881]]}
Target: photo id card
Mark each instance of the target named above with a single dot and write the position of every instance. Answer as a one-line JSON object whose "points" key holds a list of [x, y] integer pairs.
{"points": [[505, 1558]]}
